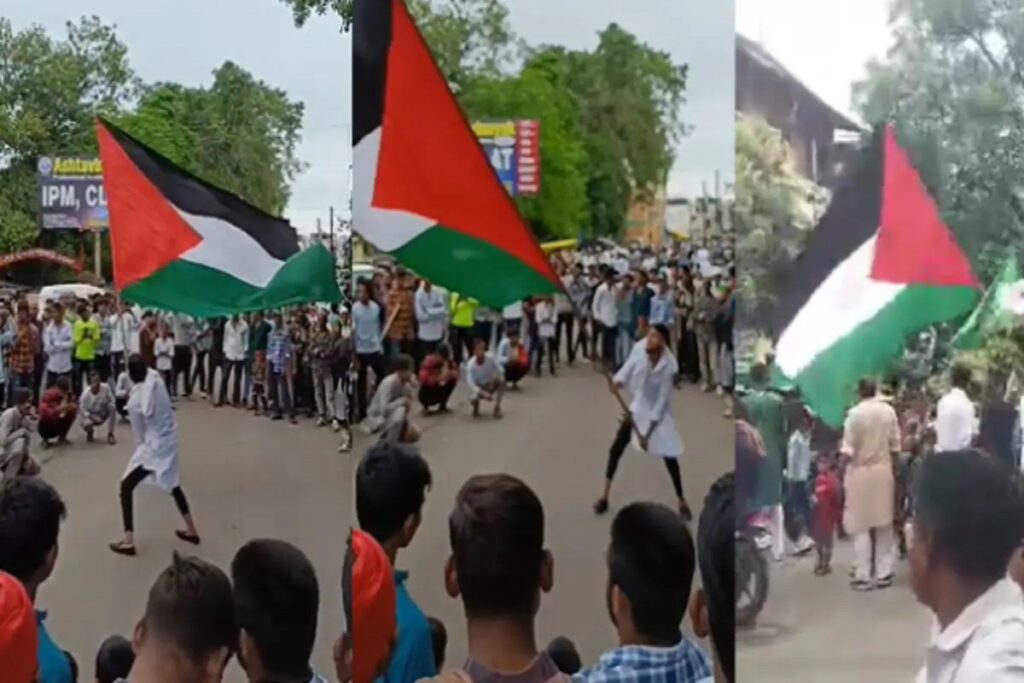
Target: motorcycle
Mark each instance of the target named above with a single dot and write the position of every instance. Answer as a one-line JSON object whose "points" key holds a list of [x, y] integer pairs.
{"points": [[752, 543]]}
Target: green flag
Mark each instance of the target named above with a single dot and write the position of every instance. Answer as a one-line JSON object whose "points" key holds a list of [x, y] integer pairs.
{"points": [[991, 314]]}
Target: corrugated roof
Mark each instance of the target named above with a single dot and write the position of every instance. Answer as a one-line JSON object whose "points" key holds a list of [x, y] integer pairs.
{"points": [[756, 52]]}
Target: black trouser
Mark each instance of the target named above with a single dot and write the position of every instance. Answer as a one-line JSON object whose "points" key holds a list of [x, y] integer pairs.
{"points": [[103, 366], [483, 329], [183, 367], [116, 364], [582, 341], [199, 371], [435, 395], [609, 338], [367, 361], [80, 375], [619, 447], [128, 484], [121, 406], [461, 338], [537, 351], [565, 321], [238, 366]]}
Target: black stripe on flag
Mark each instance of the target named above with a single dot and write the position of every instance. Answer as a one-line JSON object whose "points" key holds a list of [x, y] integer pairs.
{"points": [[196, 196], [853, 216], [371, 38]]}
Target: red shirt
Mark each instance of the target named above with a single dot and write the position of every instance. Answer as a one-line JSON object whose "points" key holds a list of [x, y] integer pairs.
{"points": [[51, 403], [435, 371], [827, 505]]}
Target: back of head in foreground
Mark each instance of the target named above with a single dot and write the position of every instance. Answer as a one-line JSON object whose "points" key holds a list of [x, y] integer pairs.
{"points": [[499, 565], [651, 565], [277, 599], [968, 522], [189, 631], [713, 608]]}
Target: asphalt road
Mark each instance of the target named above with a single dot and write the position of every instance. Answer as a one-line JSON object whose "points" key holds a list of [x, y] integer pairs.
{"points": [[817, 629], [555, 436], [245, 478]]}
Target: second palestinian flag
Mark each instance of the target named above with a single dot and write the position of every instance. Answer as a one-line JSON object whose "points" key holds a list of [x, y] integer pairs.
{"points": [[423, 189], [879, 266], [183, 245]]}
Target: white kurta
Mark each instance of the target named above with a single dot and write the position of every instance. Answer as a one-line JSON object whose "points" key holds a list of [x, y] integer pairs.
{"points": [[651, 388], [152, 420]]}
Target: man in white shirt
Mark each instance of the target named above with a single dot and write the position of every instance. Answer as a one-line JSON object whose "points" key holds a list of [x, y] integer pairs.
{"points": [[955, 419], [967, 526], [432, 315], [96, 408], [485, 379], [124, 337], [605, 308], [236, 349], [57, 343]]}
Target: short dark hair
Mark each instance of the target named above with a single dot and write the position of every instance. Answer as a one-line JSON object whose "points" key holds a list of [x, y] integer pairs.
{"points": [[968, 507], [21, 395], [114, 659], [31, 511], [404, 363], [497, 537], [63, 383], [137, 368], [651, 560], [960, 376], [438, 639], [276, 601], [716, 554], [867, 387], [191, 606], [391, 486]]}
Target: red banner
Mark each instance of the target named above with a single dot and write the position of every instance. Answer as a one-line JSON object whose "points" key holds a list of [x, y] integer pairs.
{"points": [[40, 255]]}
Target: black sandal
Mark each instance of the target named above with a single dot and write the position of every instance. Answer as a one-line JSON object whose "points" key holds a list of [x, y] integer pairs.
{"points": [[186, 536], [601, 506], [122, 548], [684, 510]]}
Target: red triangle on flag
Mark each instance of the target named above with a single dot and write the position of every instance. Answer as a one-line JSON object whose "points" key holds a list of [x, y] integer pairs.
{"points": [[914, 246], [146, 232], [430, 163]]}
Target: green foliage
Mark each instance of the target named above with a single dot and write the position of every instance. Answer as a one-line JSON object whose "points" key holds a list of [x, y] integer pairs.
{"points": [[610, 118], [302, 10], [953, 85], [238, 133], [772, 216], [539, 92]]}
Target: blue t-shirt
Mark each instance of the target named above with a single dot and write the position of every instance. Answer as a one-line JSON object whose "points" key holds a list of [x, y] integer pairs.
{"points": [[413, 654], [366, 327], [53, 664]]}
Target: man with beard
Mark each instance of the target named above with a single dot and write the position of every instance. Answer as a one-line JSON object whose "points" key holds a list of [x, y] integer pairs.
{"points": [[649, 373]]}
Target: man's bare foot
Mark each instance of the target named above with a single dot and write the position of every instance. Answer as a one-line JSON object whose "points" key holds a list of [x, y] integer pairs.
{"points": [[111, 439], [123, 548]]}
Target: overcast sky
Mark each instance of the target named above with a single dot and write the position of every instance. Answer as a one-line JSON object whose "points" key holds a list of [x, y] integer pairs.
{"points": [[185, 40], [694, 32], [826, 44]]}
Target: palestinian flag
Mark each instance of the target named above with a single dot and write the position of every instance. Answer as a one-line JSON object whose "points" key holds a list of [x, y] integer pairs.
{"points": [[181, 244], [879, 266], [998, 310], [424, 190]]}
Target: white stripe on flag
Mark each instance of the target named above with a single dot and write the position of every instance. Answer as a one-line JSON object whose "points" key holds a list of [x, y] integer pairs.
{"points": [[231, 250], [385, 229], [845, 300]]}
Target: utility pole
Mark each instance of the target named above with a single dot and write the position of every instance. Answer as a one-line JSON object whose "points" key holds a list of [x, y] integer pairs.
{"points": [[330, 223]]}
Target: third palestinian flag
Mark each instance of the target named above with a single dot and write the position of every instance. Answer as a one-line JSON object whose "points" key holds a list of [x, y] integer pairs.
{"points": [[181, 244], [422, 188], [879, 266]]}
